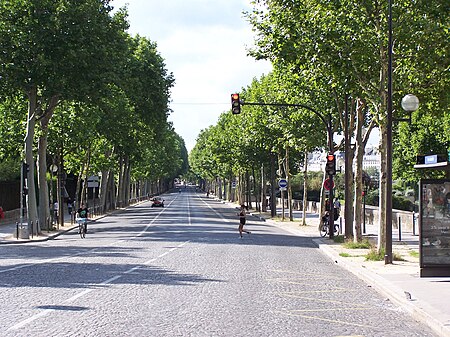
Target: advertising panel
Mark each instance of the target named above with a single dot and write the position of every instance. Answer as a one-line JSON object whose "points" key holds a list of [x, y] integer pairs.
{"points": [[435, 227]]}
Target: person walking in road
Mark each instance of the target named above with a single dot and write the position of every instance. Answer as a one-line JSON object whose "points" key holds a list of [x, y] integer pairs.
{"points": [[242, 218]]}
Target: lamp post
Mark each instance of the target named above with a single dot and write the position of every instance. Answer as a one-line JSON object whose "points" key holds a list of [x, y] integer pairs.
{"points": [[409, 103]]}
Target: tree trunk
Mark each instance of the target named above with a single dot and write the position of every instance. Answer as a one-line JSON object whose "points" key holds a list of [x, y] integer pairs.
{"points": [[127, 184], [322, 197], [382, 193], [263, 191], [120, 183], [348, 173], [357, 232], [44, 200], [305, 188], [104, 189], [280, 170], [273, 202], [29, 159], [288, 178], [86, 175]]}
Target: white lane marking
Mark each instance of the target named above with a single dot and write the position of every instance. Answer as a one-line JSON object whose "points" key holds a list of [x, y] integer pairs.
{"points": [[220, 215], [87, 291], [30, 319], [189, 210], [71, 299], [153, 221], [110, 280]]}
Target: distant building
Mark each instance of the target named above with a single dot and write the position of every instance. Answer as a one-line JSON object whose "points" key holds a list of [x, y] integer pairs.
{"points": [[317, 160]]}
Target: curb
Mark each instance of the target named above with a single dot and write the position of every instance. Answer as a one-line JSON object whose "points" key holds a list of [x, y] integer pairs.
{"points": [[386, 288]]}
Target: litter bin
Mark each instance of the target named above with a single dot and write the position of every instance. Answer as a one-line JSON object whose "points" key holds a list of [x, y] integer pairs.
{"points": [[23, 232]]}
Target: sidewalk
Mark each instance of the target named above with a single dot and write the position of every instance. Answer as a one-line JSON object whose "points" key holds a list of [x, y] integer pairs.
{"points": [[425, 299], [8, 232]]}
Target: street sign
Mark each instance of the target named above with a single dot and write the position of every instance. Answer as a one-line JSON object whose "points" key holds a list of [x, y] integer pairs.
{"points": [[327, 184], [233, 184], [93, 181], [282, 183]]}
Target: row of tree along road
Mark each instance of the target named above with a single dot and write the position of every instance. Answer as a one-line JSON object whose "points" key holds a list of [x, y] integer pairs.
{"points": [[89, 99]]}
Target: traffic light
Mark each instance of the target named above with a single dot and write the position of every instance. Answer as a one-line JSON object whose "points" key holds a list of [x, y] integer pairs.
{"points": [[235, 104], [330, 167]]}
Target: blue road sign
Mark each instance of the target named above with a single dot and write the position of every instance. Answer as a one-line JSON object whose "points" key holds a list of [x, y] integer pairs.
{"points": [[282, 183]]}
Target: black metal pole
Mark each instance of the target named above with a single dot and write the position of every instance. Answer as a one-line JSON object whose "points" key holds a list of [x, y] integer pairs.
{"points": [[347, 175], [388, 215]]}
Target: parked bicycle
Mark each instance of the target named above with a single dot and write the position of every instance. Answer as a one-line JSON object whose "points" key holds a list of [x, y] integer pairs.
{"points": [[325, 226]]}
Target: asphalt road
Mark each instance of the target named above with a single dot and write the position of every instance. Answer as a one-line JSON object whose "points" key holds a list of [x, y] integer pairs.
{"points": [[183, 270]]}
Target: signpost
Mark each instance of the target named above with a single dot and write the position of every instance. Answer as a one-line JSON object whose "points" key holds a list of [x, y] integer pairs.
{"points": [[93, 182]]}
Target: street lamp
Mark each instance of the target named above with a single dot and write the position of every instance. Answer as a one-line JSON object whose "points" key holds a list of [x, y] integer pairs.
{"points": [[410, 103]]}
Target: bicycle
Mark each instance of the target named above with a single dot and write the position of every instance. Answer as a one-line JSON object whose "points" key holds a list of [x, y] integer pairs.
{"points": [[82, 227], [325, 227]]}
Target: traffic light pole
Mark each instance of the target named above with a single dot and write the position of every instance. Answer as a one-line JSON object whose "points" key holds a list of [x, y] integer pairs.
{"points": [[329, 127]]}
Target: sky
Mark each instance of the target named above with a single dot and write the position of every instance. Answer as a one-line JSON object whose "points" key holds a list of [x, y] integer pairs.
{"points": [[205, 45]]}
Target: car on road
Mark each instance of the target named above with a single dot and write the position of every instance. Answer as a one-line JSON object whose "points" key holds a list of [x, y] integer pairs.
{"points": [[157, 202]]}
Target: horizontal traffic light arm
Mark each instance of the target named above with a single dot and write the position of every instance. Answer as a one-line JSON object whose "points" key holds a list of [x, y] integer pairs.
{"points": [[328, 124], [290, 105]]}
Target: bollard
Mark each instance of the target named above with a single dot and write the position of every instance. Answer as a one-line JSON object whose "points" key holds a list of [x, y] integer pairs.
{"points": [[399, 229], [32, 229], [414, 224], [17, 230]]}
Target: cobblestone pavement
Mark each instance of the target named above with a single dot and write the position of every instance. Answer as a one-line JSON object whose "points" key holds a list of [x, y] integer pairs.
{"points": [[184, 271]]}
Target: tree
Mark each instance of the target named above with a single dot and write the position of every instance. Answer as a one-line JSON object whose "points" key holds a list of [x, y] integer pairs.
{"points": [[342, 46], [55, 51]]}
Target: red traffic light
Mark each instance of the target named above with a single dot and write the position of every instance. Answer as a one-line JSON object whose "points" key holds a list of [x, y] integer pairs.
{"points": [[330, 167], [235, 104]]}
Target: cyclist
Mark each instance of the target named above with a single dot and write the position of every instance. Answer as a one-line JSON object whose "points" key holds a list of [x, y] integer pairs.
{"points": [[82, 216]]}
